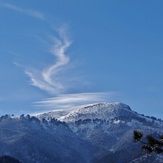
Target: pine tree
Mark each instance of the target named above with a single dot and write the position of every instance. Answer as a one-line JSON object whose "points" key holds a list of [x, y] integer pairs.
{"points": [[151, 144], [8, 159]]}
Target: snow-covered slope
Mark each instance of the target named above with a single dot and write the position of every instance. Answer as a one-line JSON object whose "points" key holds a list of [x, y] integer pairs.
{"points": [[95, 133], [33, 141], [105, 111], [108, 126], [102, 110]]}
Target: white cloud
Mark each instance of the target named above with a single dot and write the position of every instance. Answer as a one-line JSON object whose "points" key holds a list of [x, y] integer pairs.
{"points": [[50, 80], [25, 11], [47, 79], [67, 101]]}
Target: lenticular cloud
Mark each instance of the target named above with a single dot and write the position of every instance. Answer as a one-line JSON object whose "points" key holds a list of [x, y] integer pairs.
{"points": [[67, 101]]}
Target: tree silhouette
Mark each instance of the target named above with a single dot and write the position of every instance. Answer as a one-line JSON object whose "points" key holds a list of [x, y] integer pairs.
{"points": [[151, 144], [8, 159]]}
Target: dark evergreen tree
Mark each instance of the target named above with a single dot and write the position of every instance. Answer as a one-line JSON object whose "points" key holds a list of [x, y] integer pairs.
{"points": [[151, 144], [8, 159]]}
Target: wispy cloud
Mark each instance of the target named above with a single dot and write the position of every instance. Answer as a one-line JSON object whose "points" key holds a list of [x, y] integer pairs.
{"points": [[50, 80], [46, 79], [67, 101], [33, 13]]}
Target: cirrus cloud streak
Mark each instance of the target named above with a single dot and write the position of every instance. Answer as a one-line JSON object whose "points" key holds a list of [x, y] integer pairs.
{"points": [[47, 79], [29, 12], [67, 101]]}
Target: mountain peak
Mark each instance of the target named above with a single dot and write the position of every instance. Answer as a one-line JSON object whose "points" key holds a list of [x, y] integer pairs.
{"points": [[109, 104], [102, 110]]}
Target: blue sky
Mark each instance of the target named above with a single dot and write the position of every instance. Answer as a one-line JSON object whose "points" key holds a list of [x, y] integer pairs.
{"points": [[59, 54]]}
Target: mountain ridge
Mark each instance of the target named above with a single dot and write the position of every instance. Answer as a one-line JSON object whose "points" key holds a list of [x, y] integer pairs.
{"points": [[95, 133], [95, 110]]}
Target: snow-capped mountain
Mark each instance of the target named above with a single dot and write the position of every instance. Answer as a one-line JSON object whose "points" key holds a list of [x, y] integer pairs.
{"points": [[95, 133], [97, 110], [108, 126], [33, 141], [103, 111]]}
